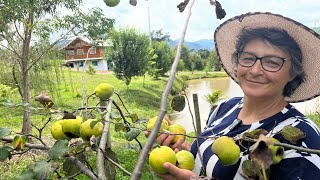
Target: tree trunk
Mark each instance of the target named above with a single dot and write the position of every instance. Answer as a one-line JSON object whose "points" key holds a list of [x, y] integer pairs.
{"points": [[26, 126]]}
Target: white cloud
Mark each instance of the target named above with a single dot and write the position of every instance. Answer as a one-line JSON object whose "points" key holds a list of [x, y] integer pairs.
{"points": [[164, 14]]}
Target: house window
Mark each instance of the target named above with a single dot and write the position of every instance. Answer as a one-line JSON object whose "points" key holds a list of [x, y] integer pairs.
{"points": [[81, 64], [70, 52], [95, 63], [92, 50], [79, 51]]}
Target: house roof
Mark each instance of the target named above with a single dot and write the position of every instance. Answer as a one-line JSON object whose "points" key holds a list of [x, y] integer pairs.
{"points": [[66, 42]]}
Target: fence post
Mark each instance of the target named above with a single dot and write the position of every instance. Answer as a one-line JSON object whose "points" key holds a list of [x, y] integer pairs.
{"points": [[196, 113]]}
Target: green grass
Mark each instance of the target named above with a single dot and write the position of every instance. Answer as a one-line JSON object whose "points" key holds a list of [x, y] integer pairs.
{"points": [[144, 100]]}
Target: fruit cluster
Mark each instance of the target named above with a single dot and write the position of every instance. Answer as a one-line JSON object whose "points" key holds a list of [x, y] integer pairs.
{"points": [[75, 128], [159, 155], [177, 129]]}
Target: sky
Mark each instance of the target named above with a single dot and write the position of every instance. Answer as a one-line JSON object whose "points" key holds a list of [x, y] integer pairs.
{"points": [[164, 14]]}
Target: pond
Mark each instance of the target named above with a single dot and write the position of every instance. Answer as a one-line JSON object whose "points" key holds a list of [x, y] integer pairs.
{"points": [[230, 89]]}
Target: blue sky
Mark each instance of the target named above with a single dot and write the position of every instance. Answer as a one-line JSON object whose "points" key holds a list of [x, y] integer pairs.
{"points": [[165, 15]]}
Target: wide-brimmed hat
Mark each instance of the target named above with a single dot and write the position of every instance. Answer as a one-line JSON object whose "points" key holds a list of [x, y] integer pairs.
{"points": [[226, 36]]}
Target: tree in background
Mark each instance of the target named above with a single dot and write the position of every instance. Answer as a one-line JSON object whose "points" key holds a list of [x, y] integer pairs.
{"points": [[204, 53], [196, 63], [163, 61], [214, 61], [130, 53], [25, 29], [160, 36], [185, 57]]}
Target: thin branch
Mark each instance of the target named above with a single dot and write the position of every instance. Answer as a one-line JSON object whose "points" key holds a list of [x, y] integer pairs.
{"points": [[289, 146], [144, 153], [103, 142], [119, 166], [16, 80], [17, 30], [82, 167], [29, 145]]}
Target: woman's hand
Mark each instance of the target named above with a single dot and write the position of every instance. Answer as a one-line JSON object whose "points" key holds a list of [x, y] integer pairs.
{"points": [[166, 140], [176, 173]]}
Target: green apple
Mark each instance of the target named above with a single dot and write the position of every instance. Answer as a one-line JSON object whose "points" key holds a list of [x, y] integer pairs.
{"points": [[177, 129], [277, 152], [164, 124], [71, 127], [86, 131], [104, 91], [111, 3], [227, 150], [185, 160], [56, 131], [158, 156]]}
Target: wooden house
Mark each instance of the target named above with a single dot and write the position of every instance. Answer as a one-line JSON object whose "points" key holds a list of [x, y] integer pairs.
{"points": [[76, 52]]}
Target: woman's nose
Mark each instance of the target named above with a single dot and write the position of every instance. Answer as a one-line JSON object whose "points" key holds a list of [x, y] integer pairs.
{"points": [[257, 67]]}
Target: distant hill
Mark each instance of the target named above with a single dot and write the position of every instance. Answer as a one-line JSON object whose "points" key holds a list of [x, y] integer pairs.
{"points": [[196, 45]]}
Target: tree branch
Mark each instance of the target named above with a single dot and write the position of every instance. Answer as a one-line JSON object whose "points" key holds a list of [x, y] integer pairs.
{"points": [[145, 151], [82, 167], [103, 142], [29, 145]]}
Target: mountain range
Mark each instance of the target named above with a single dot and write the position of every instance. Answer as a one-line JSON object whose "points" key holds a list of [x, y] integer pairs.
{"points": [[196, 45]]}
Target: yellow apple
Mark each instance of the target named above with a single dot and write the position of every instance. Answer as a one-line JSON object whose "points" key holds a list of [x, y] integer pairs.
{"points": [[86, 131], [227, 150], [185, 160], [104, 91], [164, 124], [159, 156], [177, 129], [56, 131], [71, 127], [277, 152]]}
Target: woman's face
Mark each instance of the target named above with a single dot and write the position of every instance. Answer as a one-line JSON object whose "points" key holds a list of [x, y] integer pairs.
{"points": [[257, 82]]}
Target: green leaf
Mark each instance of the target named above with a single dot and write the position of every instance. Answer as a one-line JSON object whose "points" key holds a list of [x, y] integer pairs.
{"points": [[134, 117], [70, 168], [251, 169], [292, 134], [178, 103], [42, 169], [132, 134], [118, 127], [112, 155], [4, 132], [19, 142], [26, 174], [93, 123], [4, 153], [255, 133], [59, 148]]}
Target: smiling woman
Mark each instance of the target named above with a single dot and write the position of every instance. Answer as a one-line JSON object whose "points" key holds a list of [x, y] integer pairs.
{"points": [[275, 61]]}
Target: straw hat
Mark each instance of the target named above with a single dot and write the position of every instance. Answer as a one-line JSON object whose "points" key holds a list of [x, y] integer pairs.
{"points": [[309, 41]]}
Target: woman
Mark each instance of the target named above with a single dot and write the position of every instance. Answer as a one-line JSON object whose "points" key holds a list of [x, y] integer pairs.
{"points": [[275, 61]]}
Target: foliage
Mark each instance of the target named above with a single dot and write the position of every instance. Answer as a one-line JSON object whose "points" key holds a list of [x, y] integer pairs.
{"points": [[159, 36], [163, 60], [214, 61], [91, 70], [204, 53], [195, 60], [130, 53], [185, 57], [214, 97]]}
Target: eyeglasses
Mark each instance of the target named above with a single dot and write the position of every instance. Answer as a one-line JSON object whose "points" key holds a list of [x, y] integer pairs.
{"points": [[268, 63]]}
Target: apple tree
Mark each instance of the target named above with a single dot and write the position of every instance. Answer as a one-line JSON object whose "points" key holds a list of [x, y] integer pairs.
{"points": [[28, 26]]}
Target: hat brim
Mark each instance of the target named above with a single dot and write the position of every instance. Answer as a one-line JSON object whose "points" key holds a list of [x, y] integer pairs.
{"points": [[226, 35]]}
